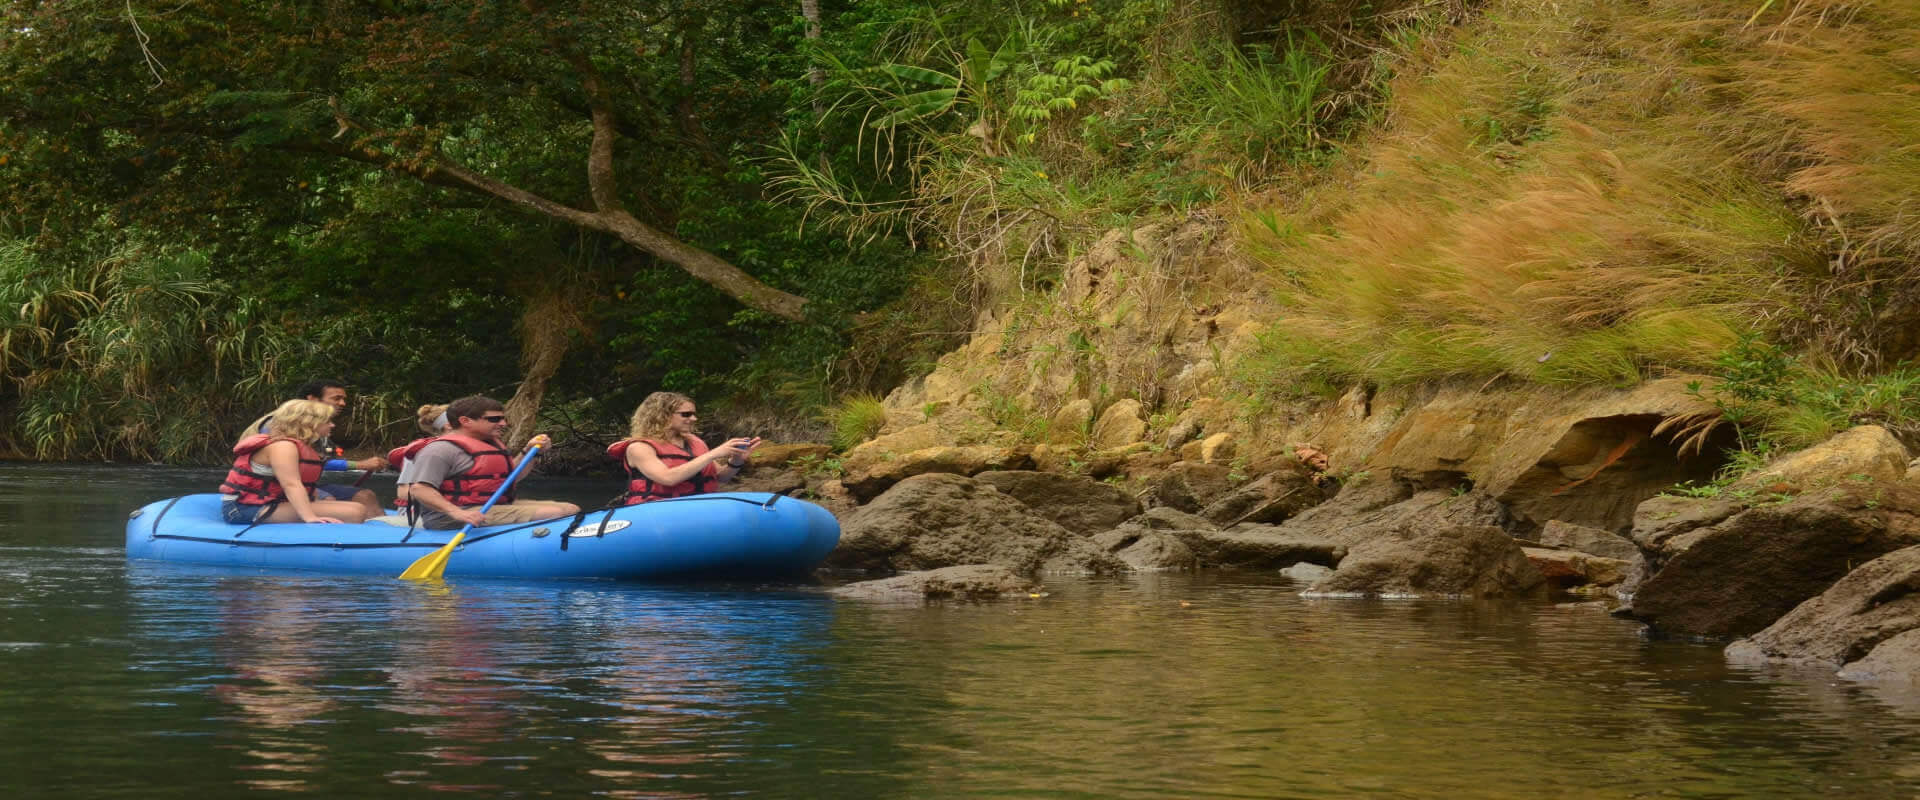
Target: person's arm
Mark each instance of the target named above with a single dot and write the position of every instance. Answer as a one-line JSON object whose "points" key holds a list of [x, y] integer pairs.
{"points": [[428, 495], [641, 457], [370, 463], [284, 458]]}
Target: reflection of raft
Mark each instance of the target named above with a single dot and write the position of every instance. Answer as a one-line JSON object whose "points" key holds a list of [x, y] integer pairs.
{"points": [[722, 535]]}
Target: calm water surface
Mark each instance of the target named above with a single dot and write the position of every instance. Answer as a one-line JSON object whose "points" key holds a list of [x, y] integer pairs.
{"points": [[145, 680]]}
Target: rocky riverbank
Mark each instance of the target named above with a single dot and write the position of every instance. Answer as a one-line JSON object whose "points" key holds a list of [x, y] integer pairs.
{"points": [[1815, 560], [1018, 456]]}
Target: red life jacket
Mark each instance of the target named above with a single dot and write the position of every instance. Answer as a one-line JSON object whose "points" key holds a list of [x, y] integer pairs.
{"points": [[641, 489], [259, 490], [491, 466], [397, 457]]}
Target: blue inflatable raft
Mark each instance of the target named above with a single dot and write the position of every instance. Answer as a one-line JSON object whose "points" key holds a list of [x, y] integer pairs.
{"points": [[733, 534]]}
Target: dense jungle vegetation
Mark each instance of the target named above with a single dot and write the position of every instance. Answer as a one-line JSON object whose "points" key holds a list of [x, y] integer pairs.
{"points": [[775, 208]]}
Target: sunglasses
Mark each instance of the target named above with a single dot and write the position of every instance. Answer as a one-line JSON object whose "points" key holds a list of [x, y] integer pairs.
{"points": [[495, 418], [687, 413]]}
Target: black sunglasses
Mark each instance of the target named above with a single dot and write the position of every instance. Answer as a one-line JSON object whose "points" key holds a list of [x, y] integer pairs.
{"points": [[687, 413], [495, 417]]}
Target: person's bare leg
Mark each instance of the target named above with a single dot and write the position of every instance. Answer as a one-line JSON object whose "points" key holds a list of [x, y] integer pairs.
{"points": [[369, 501], [337, 509]]}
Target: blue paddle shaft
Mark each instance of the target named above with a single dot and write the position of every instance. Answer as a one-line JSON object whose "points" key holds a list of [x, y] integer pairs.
{"points": [[504, 485]]}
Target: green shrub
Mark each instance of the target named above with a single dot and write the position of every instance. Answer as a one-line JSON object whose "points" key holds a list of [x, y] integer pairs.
{"points": [[856, 419]]}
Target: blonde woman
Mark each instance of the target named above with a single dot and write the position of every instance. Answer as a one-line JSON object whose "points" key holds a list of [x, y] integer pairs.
{"points": [[274, 473], [664, 456]]}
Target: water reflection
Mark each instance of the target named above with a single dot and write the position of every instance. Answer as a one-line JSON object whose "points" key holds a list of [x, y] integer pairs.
{"points": [[461, 687], [266, 640]]}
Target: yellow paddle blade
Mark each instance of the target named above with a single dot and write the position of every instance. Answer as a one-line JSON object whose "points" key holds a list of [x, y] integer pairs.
{"points": [[432, 565]]}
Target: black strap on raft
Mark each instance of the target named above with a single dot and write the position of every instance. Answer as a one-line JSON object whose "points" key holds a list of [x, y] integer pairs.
{"points": [[264, 510], [572, 526], [154, 530]]}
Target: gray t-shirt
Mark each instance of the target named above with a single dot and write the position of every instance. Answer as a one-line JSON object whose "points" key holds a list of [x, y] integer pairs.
{"points": [[431, 466]]}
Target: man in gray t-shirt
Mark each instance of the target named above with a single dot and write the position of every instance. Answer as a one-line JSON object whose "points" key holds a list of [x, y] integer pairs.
{"points": [[445, 467]]}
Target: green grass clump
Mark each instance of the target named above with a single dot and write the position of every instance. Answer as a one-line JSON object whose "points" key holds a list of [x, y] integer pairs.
{"points": [[856, 419]]}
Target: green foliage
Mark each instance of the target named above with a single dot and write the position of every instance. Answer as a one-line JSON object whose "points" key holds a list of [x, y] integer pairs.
{"points": [[1778, 402], [1261, 107], [128, 349], [856, 419]]}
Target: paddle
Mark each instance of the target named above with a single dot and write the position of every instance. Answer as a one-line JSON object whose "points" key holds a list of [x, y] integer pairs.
{"points": [[432, 565]]}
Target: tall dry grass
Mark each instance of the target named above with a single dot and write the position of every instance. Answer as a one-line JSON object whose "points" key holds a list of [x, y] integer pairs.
{"points": [[1586, 192]]}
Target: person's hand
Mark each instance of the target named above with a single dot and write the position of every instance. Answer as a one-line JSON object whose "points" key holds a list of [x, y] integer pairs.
{"points": [[540, 440], [737, 449], [469, 516], [371, 463]]}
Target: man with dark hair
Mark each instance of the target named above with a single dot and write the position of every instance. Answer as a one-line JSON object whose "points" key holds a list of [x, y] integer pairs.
{"points": [[333, 393], [455, 474]]}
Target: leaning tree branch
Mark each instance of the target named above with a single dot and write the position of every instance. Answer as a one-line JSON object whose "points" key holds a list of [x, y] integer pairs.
{"points": [[608, 217]]}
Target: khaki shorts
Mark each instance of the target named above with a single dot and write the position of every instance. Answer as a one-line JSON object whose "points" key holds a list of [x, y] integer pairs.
{"points": [[520, 510]]}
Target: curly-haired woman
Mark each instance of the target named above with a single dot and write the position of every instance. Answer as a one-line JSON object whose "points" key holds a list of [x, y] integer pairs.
{"points": [[665, 457]]}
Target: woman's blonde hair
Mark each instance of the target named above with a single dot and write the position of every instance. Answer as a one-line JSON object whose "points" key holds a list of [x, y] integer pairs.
{"points": [[653, 419], [433, 418], [300, 419]]}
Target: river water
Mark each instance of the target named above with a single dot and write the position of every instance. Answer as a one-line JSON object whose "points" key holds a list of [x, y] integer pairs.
{"points": [[148, 680]]}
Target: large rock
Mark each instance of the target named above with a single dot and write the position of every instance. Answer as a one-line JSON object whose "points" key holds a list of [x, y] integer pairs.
{"points": [[1259, 547], [1270, 498], [876, 478], [943, 520], [1146, 549], [1862, 614], [1151, 541], [778, 455], [1451, 561], [772, 479], [1070, 425], [1168, 518], [1188, 486], [1079, 504], [1218, 448], [1741, 575], [966, 582], [1566, 568], [1867, 453], [1664, 520], [1165, 538], [1592, 541], [1374, 509], [885, 446], [1895, 661], [1306, 574], [1120, 425]]}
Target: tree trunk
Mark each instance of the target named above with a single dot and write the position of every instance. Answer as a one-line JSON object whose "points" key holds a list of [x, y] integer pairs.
{"points": [[810, 9], [690, 122], [544, 327]]}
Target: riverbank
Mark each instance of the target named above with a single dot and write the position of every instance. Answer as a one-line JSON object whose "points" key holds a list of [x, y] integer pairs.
{"points": [[1017, 451]]}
